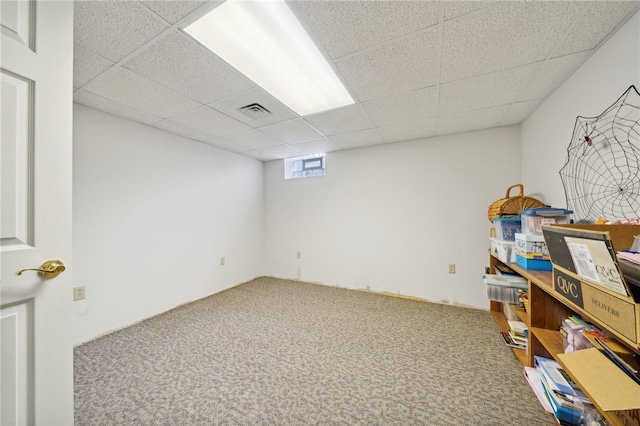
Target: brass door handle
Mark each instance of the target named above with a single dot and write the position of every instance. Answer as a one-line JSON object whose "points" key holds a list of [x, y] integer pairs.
{"points": [[49, 269]]}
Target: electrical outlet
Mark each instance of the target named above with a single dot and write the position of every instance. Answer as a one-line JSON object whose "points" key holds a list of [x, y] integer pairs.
{"points": [[452, 268], [222, 261], [78, 293]]}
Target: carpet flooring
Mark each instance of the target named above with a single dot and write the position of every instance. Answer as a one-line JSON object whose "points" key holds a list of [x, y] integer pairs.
{"points": [[278, 352]]}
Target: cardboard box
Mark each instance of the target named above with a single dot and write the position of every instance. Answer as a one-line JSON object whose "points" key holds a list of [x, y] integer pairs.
{"points": [[621, 236], [619, 315], [587, 276], [603, 381]]}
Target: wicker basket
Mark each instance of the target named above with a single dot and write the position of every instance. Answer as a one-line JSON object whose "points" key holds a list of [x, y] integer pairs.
{"points": [[511, 206]]}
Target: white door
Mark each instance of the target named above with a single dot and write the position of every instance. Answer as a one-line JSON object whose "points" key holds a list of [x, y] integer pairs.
{"points": [[36, 64]]}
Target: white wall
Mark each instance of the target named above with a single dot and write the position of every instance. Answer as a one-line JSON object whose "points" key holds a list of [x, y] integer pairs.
{"points": [[392, 217], [153, 214], [546, 134]]}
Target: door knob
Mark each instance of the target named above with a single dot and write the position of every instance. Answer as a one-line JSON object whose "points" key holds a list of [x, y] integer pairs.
{"points": [[49, 269]]}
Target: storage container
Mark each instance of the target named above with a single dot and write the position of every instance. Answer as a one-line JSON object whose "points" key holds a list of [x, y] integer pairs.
{"points": [[507, 227], [531, 246], [533, 264], [503, 250], [502, 294], [533, 219]]}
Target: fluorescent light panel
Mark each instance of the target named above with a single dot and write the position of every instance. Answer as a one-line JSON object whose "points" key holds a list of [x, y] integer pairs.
{"points": [[263, 40]]}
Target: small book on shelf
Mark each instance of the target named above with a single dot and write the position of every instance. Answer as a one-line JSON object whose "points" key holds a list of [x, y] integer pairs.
{"points": [[519, 328], [509, 341]]}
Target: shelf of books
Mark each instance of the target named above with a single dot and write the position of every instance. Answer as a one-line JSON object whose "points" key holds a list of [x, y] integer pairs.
{"points": [[606, 394], [503, 324]]}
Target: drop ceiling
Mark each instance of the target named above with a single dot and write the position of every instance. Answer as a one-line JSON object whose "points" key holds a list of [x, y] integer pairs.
{"points": [[416, 69]]}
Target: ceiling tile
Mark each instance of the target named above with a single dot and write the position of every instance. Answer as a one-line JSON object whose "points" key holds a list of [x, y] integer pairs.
{"points": [[291, 131], [411, 106], [114, 108], [396, 67], [250, 140], [408, 131], [488, 90], [358, 139], [178, 62], [317, 146], [227, 146], [231, 106], [87, 66], [179, 129], [131, 89], [341, 120], [344, 27], [453, 9], [113, 29], [504, 36], [470, 120], [259, 156], [591, 21], [209, 121], [274, 153], [551, 74], [172, 11], [519, 111], [482, 63]]}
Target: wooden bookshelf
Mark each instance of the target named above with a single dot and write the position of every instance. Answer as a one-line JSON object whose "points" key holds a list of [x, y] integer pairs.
{"points": [[544, 318], [497, 312], [501, 320]]}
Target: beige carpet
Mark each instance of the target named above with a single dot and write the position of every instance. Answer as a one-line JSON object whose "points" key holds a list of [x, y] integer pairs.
{"points": [[277, 352]]}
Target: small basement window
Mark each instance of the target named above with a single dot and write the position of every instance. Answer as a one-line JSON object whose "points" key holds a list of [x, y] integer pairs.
{"points": [[305, 166]]}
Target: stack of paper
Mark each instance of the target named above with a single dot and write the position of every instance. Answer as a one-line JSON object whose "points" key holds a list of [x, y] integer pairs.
{"points": [[519, 332], [565, 398]]}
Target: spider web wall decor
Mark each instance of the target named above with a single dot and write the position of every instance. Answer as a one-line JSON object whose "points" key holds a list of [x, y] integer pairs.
{"points": [[601, 176]]}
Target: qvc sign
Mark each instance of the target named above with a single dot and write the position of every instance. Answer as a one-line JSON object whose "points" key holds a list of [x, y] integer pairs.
{"points": [[568, 286]]}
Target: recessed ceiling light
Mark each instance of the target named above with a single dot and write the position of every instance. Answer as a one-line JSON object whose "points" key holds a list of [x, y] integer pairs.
{"points": [[264, 41]]}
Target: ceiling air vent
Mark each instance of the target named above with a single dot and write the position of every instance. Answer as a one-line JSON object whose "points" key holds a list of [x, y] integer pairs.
{"points": [[255, 111]]}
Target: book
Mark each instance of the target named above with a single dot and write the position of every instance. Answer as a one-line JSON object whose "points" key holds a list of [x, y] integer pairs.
{"points": [[518, 339], [533, 377], [510, 342], [505, 270], [519, 328], [558, 380], [565, 415]]}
